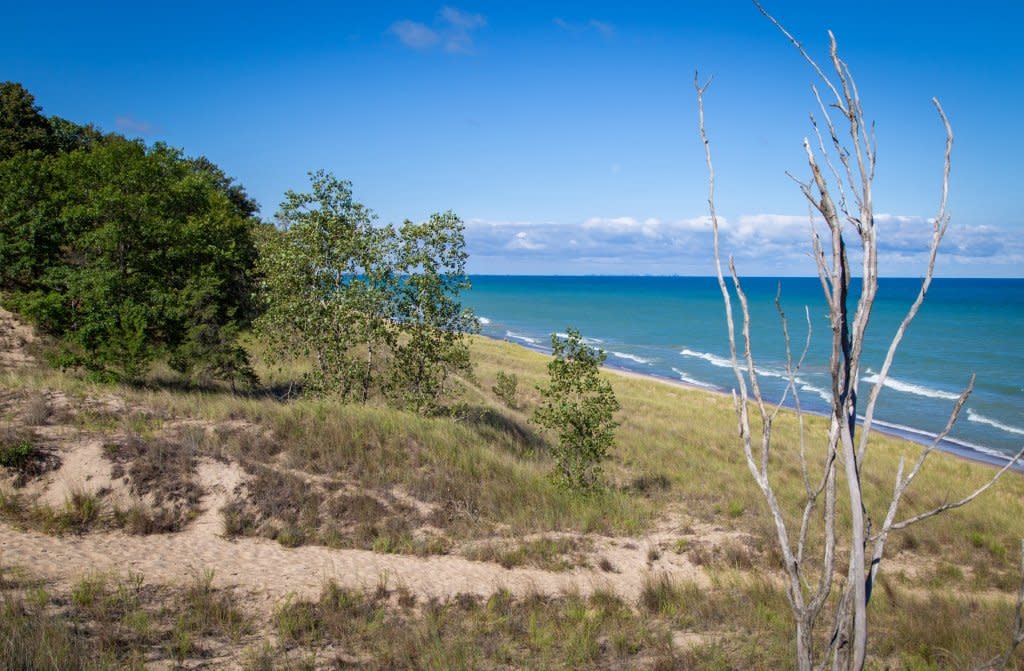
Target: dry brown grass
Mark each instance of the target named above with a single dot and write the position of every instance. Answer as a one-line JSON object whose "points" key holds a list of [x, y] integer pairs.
{"points": [[477, 474]]}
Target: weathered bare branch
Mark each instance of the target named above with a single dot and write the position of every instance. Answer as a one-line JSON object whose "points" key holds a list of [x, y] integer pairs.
{"points": [[840, 191], [939, 226]]}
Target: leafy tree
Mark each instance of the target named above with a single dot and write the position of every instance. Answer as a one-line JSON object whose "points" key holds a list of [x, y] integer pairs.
{"points": [[69, 136], [374, 308], [125, 253], [328, 277], [22, 127], [580, 405], [434, 324]]}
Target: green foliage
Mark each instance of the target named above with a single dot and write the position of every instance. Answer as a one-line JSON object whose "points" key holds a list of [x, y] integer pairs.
{"points": [[432, 262], [580, 406], [376, 309], [506, 387], [327, 288], [122, 252], [16, 456], [22, 127]]}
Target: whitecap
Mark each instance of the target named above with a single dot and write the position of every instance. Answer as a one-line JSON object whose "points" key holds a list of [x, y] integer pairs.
{"points": [[823, 394], [710, 358], [484, 321], [982, 419], [631, 357], [722, 362], [518, 336], [981, 449], [683, 377], [910, 388], [585, 339]]}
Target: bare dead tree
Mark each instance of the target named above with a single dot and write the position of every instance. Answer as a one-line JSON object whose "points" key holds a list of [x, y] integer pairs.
{"points": [[847, 158]]}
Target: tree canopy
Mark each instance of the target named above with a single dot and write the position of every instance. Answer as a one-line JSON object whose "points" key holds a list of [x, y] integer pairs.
{"points": [[120, 251], [373, 307]]}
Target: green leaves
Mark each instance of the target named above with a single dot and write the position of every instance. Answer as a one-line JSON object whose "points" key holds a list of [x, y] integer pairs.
{"points": [[375, 308], [580, 405], [123, 252]]}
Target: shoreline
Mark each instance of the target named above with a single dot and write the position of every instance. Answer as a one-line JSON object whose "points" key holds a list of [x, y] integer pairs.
{"points": [[905, 433]]}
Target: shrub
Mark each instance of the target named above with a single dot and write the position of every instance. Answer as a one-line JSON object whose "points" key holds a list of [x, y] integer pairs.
{"points": [[506, 388], [579, 405]]}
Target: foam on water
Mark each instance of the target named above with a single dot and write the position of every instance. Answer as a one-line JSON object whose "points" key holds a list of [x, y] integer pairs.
{"points": [[521, 337], [585, 339], [484, 321], [910, 388], [709, 357], [892, 426], [982, 419], [722, 362], [684, 377], [823, 394], [631, 357]]}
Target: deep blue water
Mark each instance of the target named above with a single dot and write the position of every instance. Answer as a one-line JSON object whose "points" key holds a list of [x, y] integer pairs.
{"points": [[674, 327]]}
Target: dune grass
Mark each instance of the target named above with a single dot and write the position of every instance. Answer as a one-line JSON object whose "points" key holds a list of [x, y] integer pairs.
{"points": [[480, 469]]}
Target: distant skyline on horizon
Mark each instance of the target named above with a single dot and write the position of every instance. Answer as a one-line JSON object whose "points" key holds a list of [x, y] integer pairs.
{"points": [[564, 134]]}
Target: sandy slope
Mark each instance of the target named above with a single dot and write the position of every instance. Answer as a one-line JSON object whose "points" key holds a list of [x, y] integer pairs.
{"points": [[270, 571], [262, 567]]}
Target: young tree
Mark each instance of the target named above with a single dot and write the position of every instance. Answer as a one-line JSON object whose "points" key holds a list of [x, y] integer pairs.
{"points": [[328, 288], [580, 405], [847, 210], [433, 323]]}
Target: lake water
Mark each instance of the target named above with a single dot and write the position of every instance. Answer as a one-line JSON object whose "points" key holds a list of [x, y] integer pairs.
{"points": [[674, 328]]}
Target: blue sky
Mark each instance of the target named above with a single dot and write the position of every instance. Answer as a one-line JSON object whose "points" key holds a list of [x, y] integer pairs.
{"points": [[564, 134]]}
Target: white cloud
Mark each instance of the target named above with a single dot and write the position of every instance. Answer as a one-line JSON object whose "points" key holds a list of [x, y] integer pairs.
{"points": [[414, 35], [602, 28], [521, 240], [453, 31], [762, 244], [460, 19]]}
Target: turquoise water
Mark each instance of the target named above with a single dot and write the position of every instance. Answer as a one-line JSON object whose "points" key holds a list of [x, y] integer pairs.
{"points": [[674, 328]]}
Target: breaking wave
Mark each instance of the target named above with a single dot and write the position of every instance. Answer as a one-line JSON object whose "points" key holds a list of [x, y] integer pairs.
{"points": [[982, 419], [522, 338], [631, 357], [910, 388], [683, 377]]}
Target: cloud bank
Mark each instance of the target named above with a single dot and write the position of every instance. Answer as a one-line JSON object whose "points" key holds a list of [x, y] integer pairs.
{"points": [[762, 244]]}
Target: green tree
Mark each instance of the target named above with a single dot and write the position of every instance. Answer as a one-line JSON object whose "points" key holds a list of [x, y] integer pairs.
{"points": [[580, 405], [433, 323], [375, 309], [328, 288], [125, 253], [22, 127]]}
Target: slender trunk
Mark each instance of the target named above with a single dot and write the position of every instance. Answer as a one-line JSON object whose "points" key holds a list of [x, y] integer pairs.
{"points": [[368, 372], [805, 643]]}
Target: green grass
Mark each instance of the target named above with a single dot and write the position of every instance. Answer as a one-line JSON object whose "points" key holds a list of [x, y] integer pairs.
{"points": [[106, 622], [323, 472], [547, 553], [469, 632]]}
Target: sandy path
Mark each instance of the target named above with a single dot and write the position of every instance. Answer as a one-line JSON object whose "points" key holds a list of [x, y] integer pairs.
{"points": [[268, 570]]}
